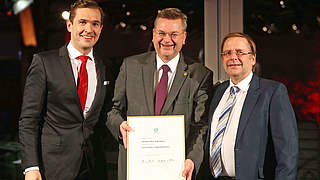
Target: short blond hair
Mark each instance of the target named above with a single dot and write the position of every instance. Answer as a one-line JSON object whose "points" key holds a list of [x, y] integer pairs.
{"points": [[172, 13]]}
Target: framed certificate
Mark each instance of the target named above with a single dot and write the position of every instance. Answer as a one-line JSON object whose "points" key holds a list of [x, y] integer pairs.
{"points": [[156, 147]]}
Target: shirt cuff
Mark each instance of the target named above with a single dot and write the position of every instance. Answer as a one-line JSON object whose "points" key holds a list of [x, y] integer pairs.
{"points": [[30, 169]]}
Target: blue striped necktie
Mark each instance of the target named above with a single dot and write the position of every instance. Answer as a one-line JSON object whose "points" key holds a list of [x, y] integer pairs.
{"points": [[215, 160]]}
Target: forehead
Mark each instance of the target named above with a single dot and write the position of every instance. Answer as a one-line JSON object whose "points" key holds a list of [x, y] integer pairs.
{"points": [[236, 43], [91, 14], [169, 24]]}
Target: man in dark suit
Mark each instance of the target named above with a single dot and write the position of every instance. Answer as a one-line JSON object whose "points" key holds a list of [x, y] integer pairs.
{"points": [[188, 85], [253, 132], [61, 122]]}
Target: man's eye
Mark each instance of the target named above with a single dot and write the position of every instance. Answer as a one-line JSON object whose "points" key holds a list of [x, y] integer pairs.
{"points": [[162, 33], [174, 35], [239, 52]]}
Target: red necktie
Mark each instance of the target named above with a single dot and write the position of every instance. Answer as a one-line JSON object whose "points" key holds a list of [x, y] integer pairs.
{"points": [[83, 81], [161, 92]]}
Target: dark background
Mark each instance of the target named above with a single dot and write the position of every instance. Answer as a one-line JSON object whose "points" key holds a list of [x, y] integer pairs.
{"points": [[284, 54]]}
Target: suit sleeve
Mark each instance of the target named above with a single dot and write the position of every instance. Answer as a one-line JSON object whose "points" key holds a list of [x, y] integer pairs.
{"points": [[284, 135], [31, 113], [199, 124], [119, 107]]}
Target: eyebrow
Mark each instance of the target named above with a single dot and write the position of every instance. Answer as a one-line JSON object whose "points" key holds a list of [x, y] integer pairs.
{"points": [[236, 50], [94, 21], [167, 32]]}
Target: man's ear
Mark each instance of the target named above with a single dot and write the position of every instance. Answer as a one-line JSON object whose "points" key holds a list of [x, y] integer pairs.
{"points": [[253, 59], [69, 25], [185, 36]]}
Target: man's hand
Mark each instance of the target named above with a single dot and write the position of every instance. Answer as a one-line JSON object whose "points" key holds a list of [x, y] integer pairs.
{"points": [[33, 175], [188, 169], [124, 127]]}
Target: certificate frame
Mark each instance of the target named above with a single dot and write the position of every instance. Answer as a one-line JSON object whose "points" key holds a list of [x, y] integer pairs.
{"points": [[156, 147]]}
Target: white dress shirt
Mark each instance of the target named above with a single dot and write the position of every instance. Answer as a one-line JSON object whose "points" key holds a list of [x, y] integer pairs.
{"points": [[173, 63], [229, 137], [92, 75]]}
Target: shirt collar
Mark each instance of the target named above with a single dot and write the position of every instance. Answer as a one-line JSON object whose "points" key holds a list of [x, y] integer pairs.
{"points": [[173, 63], [244, 84], [74, 53]]}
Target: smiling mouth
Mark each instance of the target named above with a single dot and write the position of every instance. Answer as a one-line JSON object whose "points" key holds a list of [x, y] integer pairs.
{"points": [[87, 37], [234, 65], [166, 45]]}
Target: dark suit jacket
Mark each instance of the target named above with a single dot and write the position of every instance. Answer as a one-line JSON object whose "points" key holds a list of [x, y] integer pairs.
{"points": [[266, 145], [189, 96], [53, 131]]}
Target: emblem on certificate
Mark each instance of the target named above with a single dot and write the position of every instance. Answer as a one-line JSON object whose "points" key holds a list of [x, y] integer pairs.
{"points": [[156, 147]]}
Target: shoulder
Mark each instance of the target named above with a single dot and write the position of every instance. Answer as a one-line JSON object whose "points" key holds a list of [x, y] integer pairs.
{"points": [[196, 68], [272, 86], [49, 53], [143, 58], [45, 57]]}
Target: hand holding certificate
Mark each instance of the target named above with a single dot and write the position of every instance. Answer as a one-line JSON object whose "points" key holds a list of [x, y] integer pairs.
{"points": [[156, 147]]}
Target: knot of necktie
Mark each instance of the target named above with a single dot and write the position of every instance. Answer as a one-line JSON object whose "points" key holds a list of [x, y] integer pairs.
{"points": [[83, 58], [165, 68], [234, 90]]}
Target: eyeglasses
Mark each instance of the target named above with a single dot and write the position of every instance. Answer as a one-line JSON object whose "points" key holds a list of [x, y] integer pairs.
{"points": [[173, 35], [239, 53]]}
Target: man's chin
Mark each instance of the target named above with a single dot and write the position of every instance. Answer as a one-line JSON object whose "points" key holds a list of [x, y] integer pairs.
{"points": [[166, 52]]}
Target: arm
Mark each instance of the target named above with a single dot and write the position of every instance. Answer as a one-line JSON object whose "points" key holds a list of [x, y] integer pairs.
{"points": [[33, 175], [118, 112], [31, 114], [199, 124], [284, 135]]}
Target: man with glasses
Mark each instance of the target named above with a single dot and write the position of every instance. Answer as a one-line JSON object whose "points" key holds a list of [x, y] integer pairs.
{"points": [[187, 85], [252, 131]]}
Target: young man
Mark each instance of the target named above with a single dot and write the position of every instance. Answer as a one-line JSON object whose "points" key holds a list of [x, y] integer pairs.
{"points": [[64, 94], [187, 87]]}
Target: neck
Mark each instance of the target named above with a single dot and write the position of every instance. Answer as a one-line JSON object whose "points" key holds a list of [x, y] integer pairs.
{"points": [[82, 50]]}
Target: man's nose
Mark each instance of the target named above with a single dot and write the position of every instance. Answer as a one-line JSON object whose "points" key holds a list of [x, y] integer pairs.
{"points": [[233, 55], [88, 27], [167, 37]]}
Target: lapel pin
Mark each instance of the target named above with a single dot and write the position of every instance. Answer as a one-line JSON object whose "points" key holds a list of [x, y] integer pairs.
{"points": [[106, 82]]}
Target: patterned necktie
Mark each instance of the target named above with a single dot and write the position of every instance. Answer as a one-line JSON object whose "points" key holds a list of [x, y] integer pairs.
{"points": [[215, 160], [83, 81], [161, 92]]}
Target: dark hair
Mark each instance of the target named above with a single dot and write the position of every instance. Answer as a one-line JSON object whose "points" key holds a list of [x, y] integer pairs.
{"points": [[172, 13], [241, 35], [84, 4]]}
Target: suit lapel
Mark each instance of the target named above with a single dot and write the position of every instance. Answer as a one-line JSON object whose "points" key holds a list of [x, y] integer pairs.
{"points": [[181, 75], [217, 97], [67, 69], [249, 103], [148, 69]]}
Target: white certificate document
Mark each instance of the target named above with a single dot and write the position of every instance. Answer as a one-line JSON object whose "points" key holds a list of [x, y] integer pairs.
{"points": [[156, 148]]}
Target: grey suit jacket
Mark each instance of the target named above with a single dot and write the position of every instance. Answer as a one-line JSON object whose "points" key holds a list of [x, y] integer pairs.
{"points": [[266, 145], [189, 96], [53, 132]]}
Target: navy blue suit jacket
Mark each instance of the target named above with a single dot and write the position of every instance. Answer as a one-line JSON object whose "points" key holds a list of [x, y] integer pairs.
{"points": [[266, 144]]}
